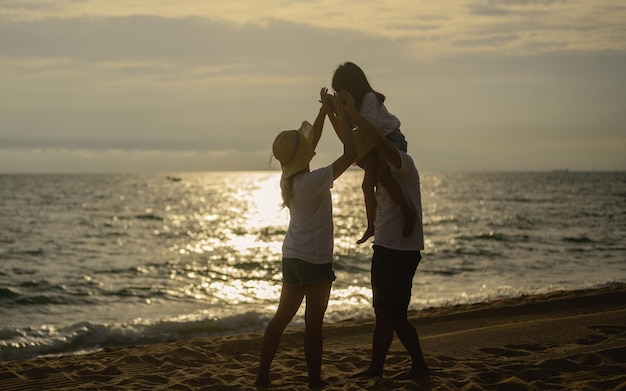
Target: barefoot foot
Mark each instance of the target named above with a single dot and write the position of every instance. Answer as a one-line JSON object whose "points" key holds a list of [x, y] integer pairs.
{"points": [[420, 375], [262, 382]]}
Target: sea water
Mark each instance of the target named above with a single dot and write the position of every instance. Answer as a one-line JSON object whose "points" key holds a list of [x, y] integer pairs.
{"points": [[94, 261]]}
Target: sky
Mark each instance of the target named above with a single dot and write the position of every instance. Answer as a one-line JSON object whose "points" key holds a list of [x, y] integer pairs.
{"points": [[195, 85]]}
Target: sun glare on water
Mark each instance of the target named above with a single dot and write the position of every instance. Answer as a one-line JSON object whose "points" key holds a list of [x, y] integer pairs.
{"points": [[238, 255]]}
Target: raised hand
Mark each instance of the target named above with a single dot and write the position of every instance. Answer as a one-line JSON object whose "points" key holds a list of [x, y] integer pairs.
{"points": [[338, 105], [346, 99], [327, 100]]}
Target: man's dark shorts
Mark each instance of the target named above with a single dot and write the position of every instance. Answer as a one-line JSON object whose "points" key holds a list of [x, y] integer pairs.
{"points": [[392, 279], [297, 271]]}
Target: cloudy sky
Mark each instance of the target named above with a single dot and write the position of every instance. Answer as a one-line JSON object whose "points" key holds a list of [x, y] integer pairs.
{"points": [[178, 85]]}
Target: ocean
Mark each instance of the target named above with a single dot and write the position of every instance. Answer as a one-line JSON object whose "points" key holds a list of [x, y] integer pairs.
{"points": [[96, 261]]}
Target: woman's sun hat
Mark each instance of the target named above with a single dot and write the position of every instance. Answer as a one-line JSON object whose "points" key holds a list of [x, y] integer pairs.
{"points": [[293, 149]]}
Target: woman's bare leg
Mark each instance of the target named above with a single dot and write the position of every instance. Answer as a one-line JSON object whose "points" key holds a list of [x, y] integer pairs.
{"points": [[317, 295], [290, 299]]}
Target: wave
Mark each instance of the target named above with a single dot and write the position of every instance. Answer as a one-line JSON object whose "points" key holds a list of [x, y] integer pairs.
{"points": [[496, 237], [578, 239], [42, 293], [7, 293], [149, 216], [84, 337], [38, 252]]}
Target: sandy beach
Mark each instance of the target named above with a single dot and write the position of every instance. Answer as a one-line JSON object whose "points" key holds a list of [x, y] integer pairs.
{"points": [[572, 340]]}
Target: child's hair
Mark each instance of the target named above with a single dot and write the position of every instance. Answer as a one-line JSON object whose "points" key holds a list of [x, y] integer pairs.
{"points": [[349, 77]]}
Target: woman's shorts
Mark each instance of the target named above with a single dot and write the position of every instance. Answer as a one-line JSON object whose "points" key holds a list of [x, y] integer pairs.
{"points": [[297, 271], [392, 279]]}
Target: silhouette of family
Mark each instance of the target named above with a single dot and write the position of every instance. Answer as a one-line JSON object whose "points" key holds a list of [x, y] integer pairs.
{"points": [[371, 139]]}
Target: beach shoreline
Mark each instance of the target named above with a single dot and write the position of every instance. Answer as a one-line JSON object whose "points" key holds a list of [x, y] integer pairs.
{"points": [[561, 340]]}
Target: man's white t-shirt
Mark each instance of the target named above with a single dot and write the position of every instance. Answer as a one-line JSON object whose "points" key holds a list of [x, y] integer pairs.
{"points": [[389, 218], [310, 233]]}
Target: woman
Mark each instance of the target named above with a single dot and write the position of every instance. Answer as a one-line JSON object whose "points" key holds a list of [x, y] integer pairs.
{"points": [[308, 244]]}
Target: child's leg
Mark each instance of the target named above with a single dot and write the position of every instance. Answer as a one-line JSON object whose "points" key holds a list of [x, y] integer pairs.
{"points": [[396, 193], [369, 182]]}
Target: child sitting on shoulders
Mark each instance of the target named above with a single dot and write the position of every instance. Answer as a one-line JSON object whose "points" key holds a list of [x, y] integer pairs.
{"points": [[370, 103]]}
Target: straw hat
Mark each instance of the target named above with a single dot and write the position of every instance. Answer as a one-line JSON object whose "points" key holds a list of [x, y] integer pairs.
{"points": [[293, 149]]}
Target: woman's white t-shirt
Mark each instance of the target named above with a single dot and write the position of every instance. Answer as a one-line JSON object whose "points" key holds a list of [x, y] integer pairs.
{"points": [[310, 233]]}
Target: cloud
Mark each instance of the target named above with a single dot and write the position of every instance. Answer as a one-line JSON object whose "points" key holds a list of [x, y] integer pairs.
{"points": [[191, 45], [117, 80], [433, 27], [181, 82]]}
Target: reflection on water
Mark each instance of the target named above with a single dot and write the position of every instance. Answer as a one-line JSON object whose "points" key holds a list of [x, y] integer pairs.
{"points": [[236, 260]]}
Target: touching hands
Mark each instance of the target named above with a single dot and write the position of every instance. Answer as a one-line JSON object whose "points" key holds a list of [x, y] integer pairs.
{"points": [[343, 102], [337, 104], [327, 100], [347, 101]]}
